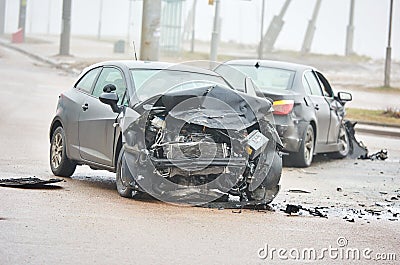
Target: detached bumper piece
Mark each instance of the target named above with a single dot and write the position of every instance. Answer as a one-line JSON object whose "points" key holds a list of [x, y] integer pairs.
{"points": [[28, 182]]}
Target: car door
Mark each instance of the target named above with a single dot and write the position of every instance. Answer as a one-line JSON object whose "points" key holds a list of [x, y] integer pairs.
{"points": [[321, 107], [96, 130], [72, 101], [334, 106]]}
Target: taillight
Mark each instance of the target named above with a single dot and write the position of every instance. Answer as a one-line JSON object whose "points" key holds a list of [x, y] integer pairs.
{"points": [[283, 107]]}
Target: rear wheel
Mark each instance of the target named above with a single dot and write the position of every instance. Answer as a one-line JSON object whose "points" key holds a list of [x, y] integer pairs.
{"points": [[304, 157], [343, 142], [60, 164]]}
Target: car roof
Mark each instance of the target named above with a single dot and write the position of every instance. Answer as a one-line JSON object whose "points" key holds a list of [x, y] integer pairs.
{"points": [[270, 63], [131, 64]]}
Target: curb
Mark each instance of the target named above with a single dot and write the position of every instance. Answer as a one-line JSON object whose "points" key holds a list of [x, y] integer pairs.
{"points": [[38, 57], [378, 130]]}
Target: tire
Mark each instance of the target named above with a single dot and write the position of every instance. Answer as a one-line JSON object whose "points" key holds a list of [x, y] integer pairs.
{"points": [[304, 157], [123, 187], [344, 141], [60, 164], [269, 188]]}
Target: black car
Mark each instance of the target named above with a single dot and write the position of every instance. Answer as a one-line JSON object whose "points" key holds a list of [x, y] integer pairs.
{"points": [[177, 132], [308, 115]]}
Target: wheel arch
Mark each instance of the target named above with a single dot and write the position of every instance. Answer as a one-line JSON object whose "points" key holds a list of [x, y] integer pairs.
{"points": [[314, 126], [54, 125], [118, 148]]}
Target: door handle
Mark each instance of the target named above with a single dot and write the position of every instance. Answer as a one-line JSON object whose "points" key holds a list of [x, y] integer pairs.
{"points": [[85, 107], [316, 106]]}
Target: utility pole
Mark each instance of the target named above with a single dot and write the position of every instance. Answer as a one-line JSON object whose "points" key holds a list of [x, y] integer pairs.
{"points": [[150, 43], [308, 38], [275, 28], [66, 27], [215, 33], [388, 60], [350, 31], [261, 45], [49, 17], [22, 17], [2, 16], [193, 25], [100, 18]]}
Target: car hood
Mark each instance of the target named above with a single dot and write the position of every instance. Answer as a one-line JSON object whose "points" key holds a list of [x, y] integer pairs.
{"points": [[215, 107]]}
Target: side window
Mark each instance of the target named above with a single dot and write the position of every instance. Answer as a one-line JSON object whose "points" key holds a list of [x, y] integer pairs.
{"points": [[113, 76], [326, 87], [86, 82], [313, 84]]}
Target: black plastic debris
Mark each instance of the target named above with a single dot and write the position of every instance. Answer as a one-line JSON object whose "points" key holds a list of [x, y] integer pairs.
{"points": [[298, 191], [381, 155], [357, 148], [291, 209], [27, 182]]}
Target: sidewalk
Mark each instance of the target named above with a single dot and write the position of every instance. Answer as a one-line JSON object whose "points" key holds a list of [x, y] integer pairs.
{"points": [[86, 51]]}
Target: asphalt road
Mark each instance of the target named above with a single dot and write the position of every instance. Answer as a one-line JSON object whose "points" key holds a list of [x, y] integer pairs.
{"points": [[84, 221]]}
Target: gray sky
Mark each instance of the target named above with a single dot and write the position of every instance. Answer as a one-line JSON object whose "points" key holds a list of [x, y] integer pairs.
{"points": [[240, 22]]}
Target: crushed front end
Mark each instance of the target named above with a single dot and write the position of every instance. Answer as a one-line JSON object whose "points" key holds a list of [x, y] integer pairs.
{"points": [[196, 145]]}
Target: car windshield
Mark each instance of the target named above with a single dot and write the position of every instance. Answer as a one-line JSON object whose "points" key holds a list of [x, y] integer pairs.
{"points": [[152, 82], [267, 77]]}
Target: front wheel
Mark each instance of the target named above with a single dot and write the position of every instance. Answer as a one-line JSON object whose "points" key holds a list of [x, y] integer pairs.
{"points": [[304, 157], [122, 180], [60, 164], [343, 142]]}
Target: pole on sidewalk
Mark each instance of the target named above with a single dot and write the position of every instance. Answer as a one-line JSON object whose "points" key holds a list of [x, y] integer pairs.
{"points": [[388, 60], [350, 31], [48, 16], [193, 25], [150, 43], [22, 17], [66, 27], [2, 16], [100, 18], [308, 38], [261, 45], [215, 33]]}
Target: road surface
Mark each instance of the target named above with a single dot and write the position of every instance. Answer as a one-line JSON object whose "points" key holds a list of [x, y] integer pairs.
{"points": [[84, 221]]}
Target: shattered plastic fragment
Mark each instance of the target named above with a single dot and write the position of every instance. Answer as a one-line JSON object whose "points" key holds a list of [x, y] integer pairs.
{"points": [[381, 155], [27, 182], [357, 148]]}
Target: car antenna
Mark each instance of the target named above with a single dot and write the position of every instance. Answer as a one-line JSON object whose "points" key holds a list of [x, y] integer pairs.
{"points": [[134, 49]]}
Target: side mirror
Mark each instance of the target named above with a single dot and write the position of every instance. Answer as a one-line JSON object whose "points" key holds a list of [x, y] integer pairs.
{"points": [[109, 88], [112, 100], [344, 96]]}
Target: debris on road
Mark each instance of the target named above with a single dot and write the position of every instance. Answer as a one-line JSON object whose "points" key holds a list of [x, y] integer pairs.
{"points": [[381, 155], [298, 191], [28, 182], [290, 209], [357, 148]]}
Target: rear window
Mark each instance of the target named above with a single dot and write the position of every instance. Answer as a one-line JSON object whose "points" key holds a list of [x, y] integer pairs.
{"points": [[268, 78]]}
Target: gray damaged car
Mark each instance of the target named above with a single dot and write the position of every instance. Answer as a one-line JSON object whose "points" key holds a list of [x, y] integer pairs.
{"points": [[177, 132]]}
